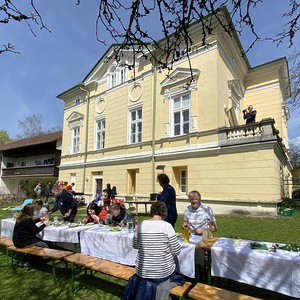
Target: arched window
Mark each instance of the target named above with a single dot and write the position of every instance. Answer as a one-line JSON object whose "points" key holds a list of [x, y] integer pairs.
{"points": [[117, 75]]}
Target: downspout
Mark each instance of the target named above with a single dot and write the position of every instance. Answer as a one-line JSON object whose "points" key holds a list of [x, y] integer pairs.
{"points": [[153, 126], [86, 134]]}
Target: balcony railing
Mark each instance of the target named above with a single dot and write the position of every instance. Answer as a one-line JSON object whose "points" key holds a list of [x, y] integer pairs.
{"points": [[31, 171], [260, 131]]}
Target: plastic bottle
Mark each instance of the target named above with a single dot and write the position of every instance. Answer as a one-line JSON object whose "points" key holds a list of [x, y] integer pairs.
{"points": [[186, 234]]}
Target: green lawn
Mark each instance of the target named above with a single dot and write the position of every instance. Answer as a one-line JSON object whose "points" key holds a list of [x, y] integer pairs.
{"points": [[37, 284]]}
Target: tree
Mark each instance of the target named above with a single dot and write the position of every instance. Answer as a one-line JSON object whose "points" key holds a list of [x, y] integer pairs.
{"points": [[4, 137], [295, 156], [294, 61], [127, 22], [32, 126]]}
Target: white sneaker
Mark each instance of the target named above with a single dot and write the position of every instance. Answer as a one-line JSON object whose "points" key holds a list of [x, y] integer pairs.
{"points": [[21, 264], [28, 266]]}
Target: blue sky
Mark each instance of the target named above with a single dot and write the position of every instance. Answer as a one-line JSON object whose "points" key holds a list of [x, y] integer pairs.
{"points": [[53, 62]]}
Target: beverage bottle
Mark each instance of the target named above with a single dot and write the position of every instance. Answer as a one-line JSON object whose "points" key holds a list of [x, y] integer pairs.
{"points": [[186, 234]]}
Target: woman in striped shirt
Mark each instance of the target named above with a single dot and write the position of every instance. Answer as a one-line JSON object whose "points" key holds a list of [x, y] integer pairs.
{"points": [[157, 246]]}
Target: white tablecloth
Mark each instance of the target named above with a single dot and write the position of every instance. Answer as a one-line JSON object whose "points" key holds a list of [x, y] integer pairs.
{"points": [[117, 247], [7, 227], [276, 271], [62, 234]]}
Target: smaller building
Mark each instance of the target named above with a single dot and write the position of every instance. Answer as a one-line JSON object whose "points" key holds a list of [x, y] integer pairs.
{"points": [[37, 156]]}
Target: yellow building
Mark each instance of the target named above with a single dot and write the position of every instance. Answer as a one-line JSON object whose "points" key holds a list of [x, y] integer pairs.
{"points": [[124, 132]]}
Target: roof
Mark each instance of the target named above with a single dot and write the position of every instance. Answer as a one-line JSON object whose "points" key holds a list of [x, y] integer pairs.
{"points": [[34, 140]]}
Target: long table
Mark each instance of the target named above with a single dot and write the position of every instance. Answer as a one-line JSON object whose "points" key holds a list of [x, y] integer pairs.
{"points": [[117, 247], [63, 235], [276, 271], [102, 243]]}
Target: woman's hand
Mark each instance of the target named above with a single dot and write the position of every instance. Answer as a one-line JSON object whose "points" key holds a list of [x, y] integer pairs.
{"points": [[95, 217]]}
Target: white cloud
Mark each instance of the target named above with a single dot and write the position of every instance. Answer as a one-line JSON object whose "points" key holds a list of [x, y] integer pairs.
{"points": [[295, 142]]}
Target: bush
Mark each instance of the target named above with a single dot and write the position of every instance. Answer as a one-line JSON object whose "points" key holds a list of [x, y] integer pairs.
{"points": [[28, 185], [290, 203]]}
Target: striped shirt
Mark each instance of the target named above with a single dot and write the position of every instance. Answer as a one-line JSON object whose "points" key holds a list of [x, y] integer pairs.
{"points": [[199, 217], [157, 245]]}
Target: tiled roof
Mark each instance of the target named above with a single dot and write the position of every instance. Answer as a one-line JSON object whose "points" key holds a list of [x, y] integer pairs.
{"points": [[35, 140]]}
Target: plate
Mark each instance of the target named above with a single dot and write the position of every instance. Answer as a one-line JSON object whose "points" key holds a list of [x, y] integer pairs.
{"points": [[73, 225], [115, 229]]}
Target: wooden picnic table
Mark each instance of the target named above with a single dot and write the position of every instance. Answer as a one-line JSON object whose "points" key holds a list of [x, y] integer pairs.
{"points": [[136, 203]]}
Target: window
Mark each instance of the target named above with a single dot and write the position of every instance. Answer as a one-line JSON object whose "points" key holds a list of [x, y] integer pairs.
{"points": [[181, 115], [75, 139], [132, 174], [77, 100], [117, 76], [135, 126], [181, 178], [100, 134], [183, 181]]}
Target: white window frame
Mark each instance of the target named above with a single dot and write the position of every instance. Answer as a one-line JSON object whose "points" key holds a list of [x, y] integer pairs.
{"points": [[182, 185], [117, 75], [100, 133], [77, 100], [136, 136], [75, 142], [181, 111]]}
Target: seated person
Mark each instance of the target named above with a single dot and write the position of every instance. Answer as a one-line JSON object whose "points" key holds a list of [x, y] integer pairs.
{"points": [[25, 234], [157, 245], [198, 216], [40, 210], [95, 213], [119, 215]]}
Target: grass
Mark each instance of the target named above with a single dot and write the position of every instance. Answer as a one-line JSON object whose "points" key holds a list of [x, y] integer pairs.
{"points": [[36, 284]]}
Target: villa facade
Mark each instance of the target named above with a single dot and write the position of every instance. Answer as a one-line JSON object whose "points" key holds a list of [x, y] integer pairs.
{"points": [[124, 129]]}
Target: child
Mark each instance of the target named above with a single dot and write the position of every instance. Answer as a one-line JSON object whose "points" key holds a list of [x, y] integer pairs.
{"points": [[95, 213]]}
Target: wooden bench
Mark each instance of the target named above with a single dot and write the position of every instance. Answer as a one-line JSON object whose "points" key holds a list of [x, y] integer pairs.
{"points": [[203, 291], [113, 269], [7, 242], [53, 254]]}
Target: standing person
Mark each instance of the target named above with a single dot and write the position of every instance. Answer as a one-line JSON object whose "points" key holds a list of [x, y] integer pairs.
{"points": [[99, 198], [25, 234], [38, 190], [168, 196], [157, 246], [65, 203], [108, 188], [70, 188], [106, 200], [249, 114], [60, 184], [47, 192]]}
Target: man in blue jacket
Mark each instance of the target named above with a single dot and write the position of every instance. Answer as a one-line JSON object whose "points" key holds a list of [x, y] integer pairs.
{"points": [[65, 203]]}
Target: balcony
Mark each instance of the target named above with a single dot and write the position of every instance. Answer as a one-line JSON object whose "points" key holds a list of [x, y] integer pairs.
{"points": [[31, 171], [257, 132]]}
